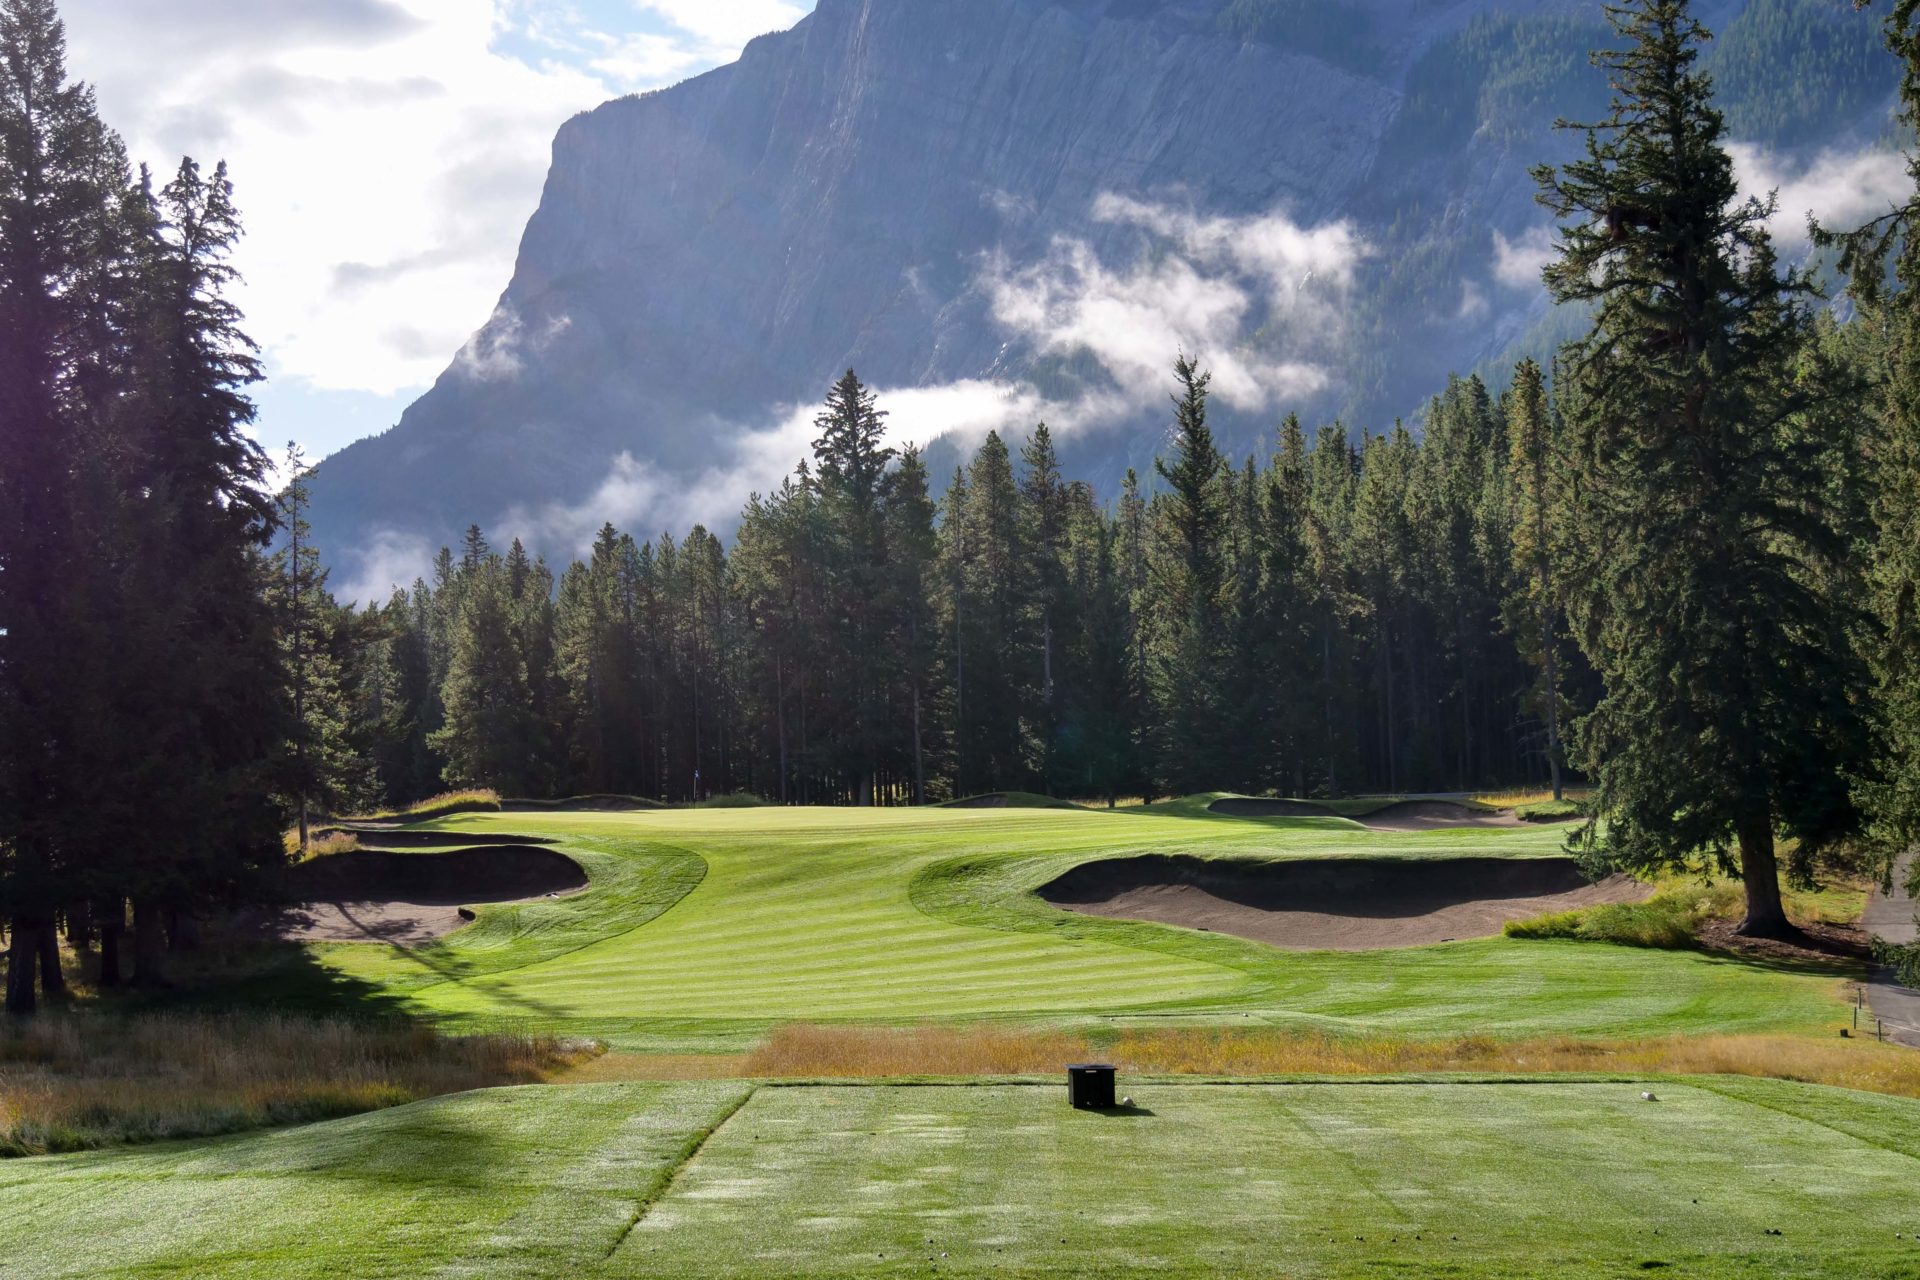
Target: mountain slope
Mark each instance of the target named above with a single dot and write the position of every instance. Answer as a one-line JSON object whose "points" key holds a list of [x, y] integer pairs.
{"points": [[1020, 208]]}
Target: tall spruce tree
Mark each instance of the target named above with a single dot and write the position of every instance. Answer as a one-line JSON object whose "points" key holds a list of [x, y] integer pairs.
{"points": [[1533, 607], [320, 764], [212, 674], [1703, 514], [851, 473], [488, 728], [1189, 649], [1890, 789], [62, 178]]}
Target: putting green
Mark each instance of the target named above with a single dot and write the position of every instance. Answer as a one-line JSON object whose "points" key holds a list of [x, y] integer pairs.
{"points": [[705, 927], [1718, 1178]]}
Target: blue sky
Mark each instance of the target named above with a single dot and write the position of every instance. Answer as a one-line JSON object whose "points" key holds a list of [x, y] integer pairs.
{"points": [[386, 155]]}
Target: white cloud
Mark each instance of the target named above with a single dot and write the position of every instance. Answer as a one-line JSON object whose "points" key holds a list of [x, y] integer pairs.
{"points": [[501, 348], [386, 153], [1257, 299], [389, 559], [1517, 263], [730, 23], [645, 501], [1473, 302], [1843, 189], [646, 58]]}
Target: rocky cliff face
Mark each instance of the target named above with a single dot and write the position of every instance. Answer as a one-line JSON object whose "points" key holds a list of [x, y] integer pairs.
{"points": [[1018, 207]]}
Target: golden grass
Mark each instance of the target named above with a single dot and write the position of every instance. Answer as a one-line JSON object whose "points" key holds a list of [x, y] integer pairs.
{"points": [[321, 846], [805, 1052], [75, 1081], [437, 806], [619, 1068], [1513, 799]]}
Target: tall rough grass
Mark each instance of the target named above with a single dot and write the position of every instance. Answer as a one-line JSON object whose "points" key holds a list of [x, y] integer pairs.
{"points": [[1523, 796], [475, 800], [322, 845], [805, 1052], [1673, 917], [70, 1082]]}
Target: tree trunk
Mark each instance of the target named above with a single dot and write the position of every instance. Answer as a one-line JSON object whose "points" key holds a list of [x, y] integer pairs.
{"points": [[112, 925], [1553, 701], [149, 945], [53, 982], [183, 931], [780, 720], [80, 925], [23, 967], [919, 752], [1766, 917]]}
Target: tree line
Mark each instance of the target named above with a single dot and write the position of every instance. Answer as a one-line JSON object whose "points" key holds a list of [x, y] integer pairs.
{"points": [[1344, 615], [1681, 562], [141, 684]]}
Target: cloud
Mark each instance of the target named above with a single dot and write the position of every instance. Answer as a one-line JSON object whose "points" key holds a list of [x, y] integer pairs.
{"points": [[729, 23], [386, 153], [644, 500], [1473, 302], [501, 348], [1257, 299], [1843, 189], [1517, 263], [389, 559]]}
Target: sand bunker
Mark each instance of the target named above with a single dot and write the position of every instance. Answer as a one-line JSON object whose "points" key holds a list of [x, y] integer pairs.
{"points": [[382, 838], [412, 898], [1346, 904], [1404, 815]]}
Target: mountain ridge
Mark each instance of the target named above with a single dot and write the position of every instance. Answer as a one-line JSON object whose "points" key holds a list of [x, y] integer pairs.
{"points": [[1007, 209]]}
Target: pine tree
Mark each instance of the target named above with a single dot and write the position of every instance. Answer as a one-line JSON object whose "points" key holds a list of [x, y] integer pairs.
{"points": [[988, 569], [852, 466], [1287, 660], [1189, 580], [1044, 507], [321, 765], [488, 726], [914, 553], [62, 180], [1533, 607], [1890, 789], [1703, 512]]}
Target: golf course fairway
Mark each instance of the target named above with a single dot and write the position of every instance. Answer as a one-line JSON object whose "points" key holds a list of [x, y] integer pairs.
{"points": [[702, 929], [1714, 1178]]}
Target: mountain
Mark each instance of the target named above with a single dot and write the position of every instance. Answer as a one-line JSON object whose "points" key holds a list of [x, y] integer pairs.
{"points": [[1001, 210]]}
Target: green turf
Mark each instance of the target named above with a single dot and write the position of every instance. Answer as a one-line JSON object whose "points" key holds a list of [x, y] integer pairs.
{"points": [[1414, 1179], [703, 928]]}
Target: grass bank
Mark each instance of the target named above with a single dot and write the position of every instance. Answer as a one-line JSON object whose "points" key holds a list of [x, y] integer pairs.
{"points": [[840, 1052], [78, 1081]]}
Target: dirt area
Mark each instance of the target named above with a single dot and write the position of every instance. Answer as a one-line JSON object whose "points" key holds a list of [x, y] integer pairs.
{"points": [[1405, 815], [1347, 904], [1821, 942], [408, 899]]}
